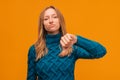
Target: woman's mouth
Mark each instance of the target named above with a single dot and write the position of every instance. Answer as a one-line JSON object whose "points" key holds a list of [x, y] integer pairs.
{"points": [[51, 25]]}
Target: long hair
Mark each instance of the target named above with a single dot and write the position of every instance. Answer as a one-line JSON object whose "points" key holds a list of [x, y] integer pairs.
{"points": [[40, 45]]}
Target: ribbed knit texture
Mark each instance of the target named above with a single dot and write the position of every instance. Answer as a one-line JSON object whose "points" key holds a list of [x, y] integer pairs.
{"points": [[53, 67]]}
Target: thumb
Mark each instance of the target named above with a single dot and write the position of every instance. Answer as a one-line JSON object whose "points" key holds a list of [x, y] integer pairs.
{"points": [[64, 52]]}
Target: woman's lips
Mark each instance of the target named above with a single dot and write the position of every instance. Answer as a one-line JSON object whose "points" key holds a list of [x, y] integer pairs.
{"points": [[51, 25]]}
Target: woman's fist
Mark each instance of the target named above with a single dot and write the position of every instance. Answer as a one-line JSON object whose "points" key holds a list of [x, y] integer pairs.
{"points": [[66, 42]]}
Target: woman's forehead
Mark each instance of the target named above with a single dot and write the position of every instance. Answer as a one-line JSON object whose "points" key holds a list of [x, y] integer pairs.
{"points": [[50, 11]]}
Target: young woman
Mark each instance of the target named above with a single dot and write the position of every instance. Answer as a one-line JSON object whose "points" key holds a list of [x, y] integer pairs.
{"points": [[54, 54]]}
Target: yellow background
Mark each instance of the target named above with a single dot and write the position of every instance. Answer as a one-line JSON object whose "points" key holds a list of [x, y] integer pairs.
{"points": [[98, 20]]}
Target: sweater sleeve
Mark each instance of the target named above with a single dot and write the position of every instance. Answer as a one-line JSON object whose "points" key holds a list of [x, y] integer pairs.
{"points": [[88, 49], [31, 73]]}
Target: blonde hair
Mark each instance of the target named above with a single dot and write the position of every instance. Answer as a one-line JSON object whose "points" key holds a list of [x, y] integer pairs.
{"points": [[40, 45]]}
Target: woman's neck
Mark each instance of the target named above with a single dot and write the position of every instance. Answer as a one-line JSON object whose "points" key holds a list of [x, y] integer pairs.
{"points": [[53, 40], [53, 33]]}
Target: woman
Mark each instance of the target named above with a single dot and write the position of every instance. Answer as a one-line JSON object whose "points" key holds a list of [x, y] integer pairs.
{"points": [[54, 54]]}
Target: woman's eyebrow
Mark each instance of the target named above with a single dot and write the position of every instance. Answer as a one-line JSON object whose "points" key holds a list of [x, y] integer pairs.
{"points": [[52, 15]]}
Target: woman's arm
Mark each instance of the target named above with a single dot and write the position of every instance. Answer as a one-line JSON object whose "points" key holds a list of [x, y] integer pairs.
{"points": [[88, 49], [31, 73]]}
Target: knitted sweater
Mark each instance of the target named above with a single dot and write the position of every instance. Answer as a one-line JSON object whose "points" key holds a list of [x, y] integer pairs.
{"points": [[53, 67]]}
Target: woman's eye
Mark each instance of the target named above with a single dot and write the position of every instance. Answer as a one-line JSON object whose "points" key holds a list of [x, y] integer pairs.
{"points": [[55, 17], [45, 19]]}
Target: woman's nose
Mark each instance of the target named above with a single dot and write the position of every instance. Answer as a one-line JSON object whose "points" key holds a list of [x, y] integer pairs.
{"points": [[50, 20]]}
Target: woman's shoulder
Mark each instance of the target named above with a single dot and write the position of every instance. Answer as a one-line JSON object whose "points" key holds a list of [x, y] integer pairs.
{"points": [[32, 47], [31, 50]]}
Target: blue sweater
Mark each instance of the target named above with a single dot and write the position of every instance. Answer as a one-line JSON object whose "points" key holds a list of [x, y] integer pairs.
{"points": [[53, 67]]}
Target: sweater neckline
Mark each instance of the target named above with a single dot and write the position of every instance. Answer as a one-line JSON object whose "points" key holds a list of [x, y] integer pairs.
{"points": [[53, 35], [52, 39]]}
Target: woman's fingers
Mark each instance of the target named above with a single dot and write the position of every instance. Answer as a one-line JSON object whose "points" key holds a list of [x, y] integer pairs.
{"points": [[69, 36], [65, 42], [62, 43], [68, 40]]}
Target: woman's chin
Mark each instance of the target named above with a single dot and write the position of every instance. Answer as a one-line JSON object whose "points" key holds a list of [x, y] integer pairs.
{"points": [[53, 32]]}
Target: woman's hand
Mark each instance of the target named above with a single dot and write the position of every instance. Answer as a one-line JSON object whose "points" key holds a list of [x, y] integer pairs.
{"points": [[66, 42]]}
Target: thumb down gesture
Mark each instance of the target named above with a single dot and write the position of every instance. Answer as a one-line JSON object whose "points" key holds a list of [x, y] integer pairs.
{"points": [[66, 43]]}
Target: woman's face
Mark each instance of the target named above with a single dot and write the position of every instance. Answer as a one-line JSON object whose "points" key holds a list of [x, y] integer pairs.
{"points": [[51, 21]]}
